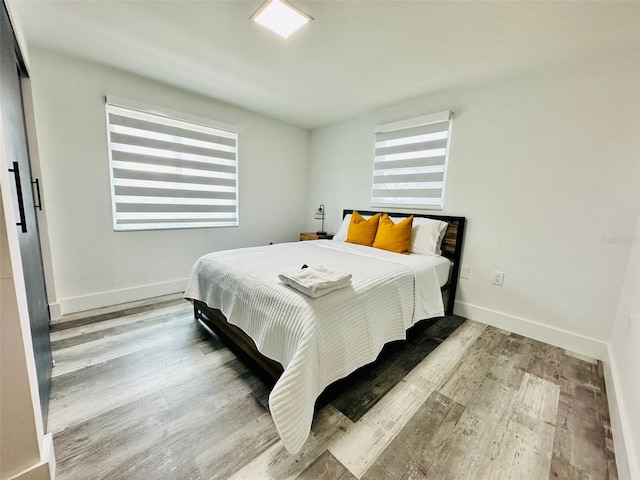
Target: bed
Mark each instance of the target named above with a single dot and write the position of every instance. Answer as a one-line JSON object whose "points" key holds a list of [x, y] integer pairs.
{"points": [[303, 344]]}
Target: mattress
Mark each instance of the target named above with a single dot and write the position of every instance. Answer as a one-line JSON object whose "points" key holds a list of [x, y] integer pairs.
{"points": [[441, 265], [317, 340]]}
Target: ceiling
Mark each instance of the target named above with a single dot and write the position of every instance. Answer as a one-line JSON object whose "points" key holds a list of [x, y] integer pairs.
{"points": [[355, 56]]}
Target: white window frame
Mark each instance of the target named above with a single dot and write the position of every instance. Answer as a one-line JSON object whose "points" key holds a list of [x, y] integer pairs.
{"points": [[424, 203], [180, 210]]}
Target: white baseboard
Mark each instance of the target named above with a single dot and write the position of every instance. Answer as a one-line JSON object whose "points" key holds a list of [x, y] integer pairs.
{"points": [[54, 311], [66, 306], [554, 336], [45, 469], [626, 453]]}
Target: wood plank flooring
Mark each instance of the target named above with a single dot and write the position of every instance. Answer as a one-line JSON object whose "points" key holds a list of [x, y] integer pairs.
{"points": [[149, 394]]}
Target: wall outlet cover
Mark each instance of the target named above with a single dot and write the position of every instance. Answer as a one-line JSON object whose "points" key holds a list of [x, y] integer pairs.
{"points": [[465, 272]]}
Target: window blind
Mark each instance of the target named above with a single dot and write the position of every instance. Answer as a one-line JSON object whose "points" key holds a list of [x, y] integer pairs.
{"points": [[410, 163], [170, 173]]}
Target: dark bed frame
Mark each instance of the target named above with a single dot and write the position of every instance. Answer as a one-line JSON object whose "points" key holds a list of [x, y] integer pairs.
{"points": [[270, 370]]}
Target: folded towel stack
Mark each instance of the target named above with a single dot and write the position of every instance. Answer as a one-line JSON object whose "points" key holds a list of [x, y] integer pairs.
{"points": [[315, 281]]}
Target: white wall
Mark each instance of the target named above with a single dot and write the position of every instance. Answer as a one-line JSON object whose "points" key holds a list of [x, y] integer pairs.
{"points": [[545, 168], [94, 266], [623, 368]]}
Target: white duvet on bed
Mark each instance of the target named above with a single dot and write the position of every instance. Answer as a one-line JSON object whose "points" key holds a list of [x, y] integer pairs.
{"points": [[317, 340]]}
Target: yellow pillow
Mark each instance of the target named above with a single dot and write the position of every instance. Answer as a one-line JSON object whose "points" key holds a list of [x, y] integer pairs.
{"points": [[395, 237], [362, 231]]}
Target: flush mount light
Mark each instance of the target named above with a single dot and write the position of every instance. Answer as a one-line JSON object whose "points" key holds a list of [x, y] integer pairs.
{"points": [[280, 17]]}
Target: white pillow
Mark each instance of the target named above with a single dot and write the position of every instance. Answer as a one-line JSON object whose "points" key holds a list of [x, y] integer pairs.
{"points": [[427, 235], [341, 235]]}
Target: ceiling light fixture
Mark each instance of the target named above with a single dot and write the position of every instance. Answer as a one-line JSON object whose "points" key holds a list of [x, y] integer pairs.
{"points": [[280, 17]]}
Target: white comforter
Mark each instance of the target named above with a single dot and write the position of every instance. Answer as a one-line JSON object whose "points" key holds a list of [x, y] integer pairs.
{"points": [[317, 340]]}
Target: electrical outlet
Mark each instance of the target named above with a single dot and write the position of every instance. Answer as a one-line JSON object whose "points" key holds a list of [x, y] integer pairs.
{"points": [[498, 278], [465, 272]]}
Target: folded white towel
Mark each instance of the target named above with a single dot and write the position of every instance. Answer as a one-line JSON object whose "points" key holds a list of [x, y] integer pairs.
{"points": [[315, 281]]}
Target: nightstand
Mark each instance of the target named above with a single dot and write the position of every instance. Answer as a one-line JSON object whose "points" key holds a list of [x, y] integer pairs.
{"points": [[315, 236]]}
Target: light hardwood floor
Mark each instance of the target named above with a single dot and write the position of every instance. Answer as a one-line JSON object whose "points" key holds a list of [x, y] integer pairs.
{"points": [[150, 394]]}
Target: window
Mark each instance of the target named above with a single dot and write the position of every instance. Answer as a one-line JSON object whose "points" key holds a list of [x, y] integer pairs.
{"points": [[168, 172], [410, 164]]}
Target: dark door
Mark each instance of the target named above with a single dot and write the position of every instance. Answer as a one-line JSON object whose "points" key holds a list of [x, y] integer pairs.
{"points": [[25, 198]]}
